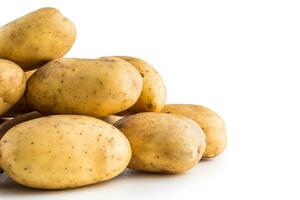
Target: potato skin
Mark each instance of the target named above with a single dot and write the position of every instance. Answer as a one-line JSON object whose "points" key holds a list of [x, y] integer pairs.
{"points": [[154, 93], [211, 123], [63, 151], [162, 143], [93, 87], [21, 107], [36, 38], [5, 126], [12, 84]]}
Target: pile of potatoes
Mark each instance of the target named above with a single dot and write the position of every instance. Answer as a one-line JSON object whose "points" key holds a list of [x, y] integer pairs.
{"points": [[70, 122]]}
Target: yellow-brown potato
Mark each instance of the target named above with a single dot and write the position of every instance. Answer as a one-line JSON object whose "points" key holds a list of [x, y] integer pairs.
{"points": [[63, 151], [211, 123], [162, 143], [12, 84], [94, 87], [36, 38], [154, 94], [21, 106]]}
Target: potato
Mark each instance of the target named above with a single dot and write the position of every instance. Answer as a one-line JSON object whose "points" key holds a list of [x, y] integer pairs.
{"points": [[36, 38], [63, 151], [94, 87], [21, 106], [211, 123], [12, 84], [162, 143], [154, 94]]}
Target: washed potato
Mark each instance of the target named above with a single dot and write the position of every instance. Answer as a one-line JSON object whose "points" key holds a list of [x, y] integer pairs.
{"points": [[12, 84], [211, 123], [21, 106], [154, 94], [36, 38], [63, 151], [94, 87], [162, 143]]}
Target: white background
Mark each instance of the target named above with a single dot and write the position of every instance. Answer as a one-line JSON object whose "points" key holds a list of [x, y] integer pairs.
{"points": [[240, 58]]}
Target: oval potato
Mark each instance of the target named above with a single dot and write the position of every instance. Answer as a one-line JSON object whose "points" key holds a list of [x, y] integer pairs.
{"points": [[163, 143], [12, 84], [211, 123], [36, 38], [154, 93], [63, 151], [94, 87]]}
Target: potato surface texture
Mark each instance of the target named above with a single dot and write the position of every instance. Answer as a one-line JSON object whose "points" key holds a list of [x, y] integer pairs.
{"points": [[36, 38], [21, 106], [211, 123], [154, 93], [162, 143], [93, 87], [12, 84], [63, 151]]}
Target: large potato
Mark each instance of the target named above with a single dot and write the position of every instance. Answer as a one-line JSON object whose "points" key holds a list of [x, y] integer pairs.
{"points": [[211, 123], [163, 143], [154, 94], [21, 106], [12, 84], [63, 151], [37, 38], [94, 87]]}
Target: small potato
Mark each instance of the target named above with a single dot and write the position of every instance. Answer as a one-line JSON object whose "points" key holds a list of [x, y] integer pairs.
{"points": [[163, 143], [154, 94], [211, 123], [36, 38], [21, 106], [12, 84], [93, 87], [63, 151]]}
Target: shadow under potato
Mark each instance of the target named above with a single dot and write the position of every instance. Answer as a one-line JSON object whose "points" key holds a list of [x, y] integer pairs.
{"points": [[10, 188]]}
